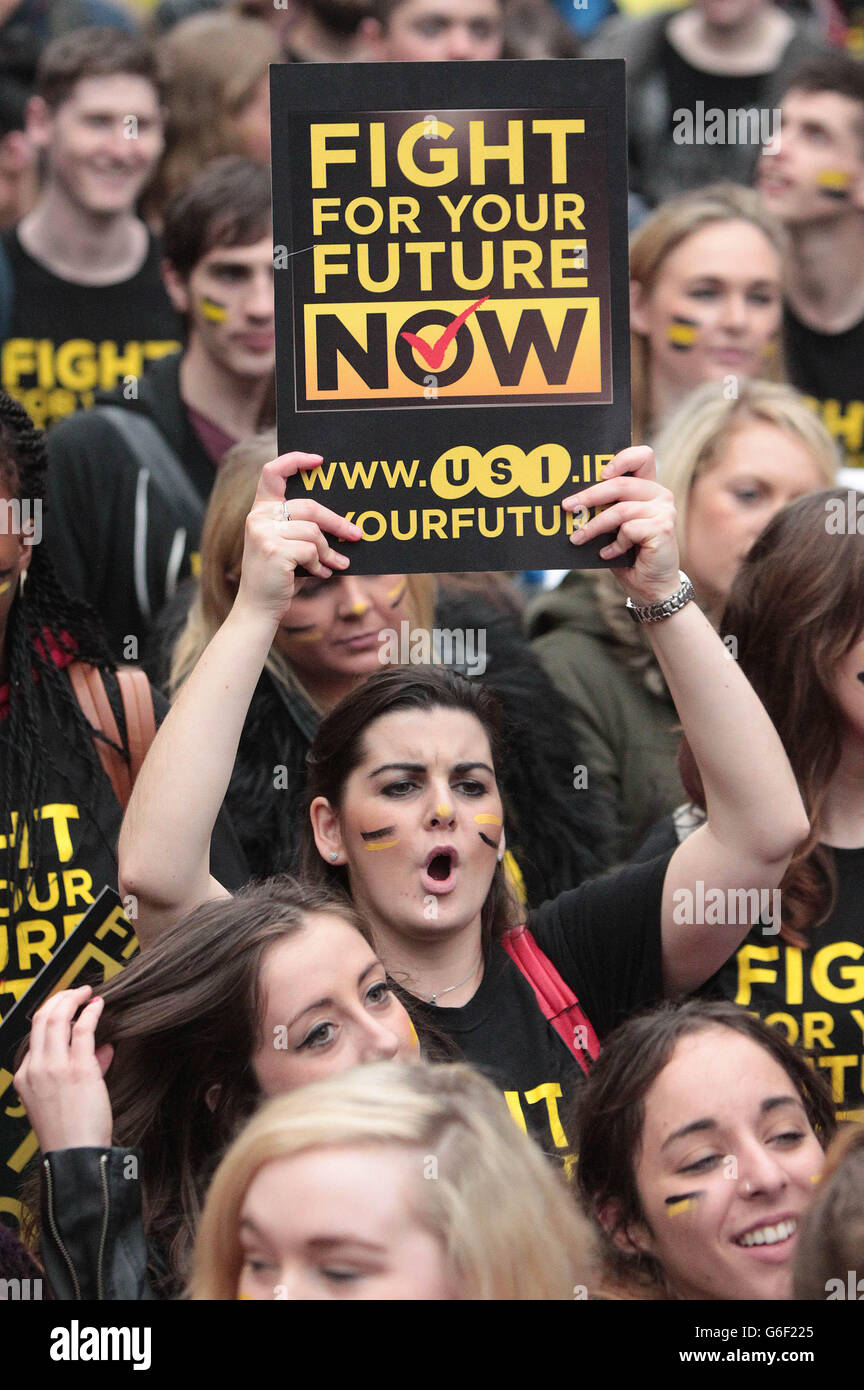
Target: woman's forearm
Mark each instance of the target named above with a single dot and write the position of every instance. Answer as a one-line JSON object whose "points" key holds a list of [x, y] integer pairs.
{"points": [[751, 794], [164, 847]]}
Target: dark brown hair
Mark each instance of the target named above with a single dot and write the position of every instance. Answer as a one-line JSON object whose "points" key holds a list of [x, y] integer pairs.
{"points": [[839, 73], [338, 749], [795, 609], [610, 1114], [183, 1017], [92, 52], [226, 204], [831, 1242]]}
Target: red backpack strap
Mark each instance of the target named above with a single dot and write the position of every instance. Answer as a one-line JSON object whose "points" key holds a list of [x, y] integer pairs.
{"points": [[557, 1001]]}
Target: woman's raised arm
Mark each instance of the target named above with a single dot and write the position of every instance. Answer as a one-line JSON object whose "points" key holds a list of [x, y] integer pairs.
{"points": [[756, 818], [164, 847]]}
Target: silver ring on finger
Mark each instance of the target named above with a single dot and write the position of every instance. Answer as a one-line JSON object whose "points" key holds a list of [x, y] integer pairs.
{"points": [[284, 514]]}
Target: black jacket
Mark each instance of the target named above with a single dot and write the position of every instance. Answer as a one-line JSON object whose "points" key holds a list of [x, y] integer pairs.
{"points": [[556, 832], [92, 1239], [118, 535]]}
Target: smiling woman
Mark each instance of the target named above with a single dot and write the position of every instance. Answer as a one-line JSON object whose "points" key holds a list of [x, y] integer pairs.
{"points": [[701, 1135]]}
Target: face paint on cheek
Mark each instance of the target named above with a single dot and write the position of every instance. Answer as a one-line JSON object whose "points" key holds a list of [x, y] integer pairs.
{"points": [[5, 586], [303, 634], [377, 839], [859, 677], [677, 1206], [833, 183], [682, 333], [212, 310], [397, 593], [486, 818]]}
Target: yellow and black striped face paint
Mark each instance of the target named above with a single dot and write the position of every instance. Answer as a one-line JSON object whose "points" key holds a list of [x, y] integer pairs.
{"points": [[678, 1206], [833, 183], [486, 818], [682, 333], [212, 310], [397, 593], [385, 838]]}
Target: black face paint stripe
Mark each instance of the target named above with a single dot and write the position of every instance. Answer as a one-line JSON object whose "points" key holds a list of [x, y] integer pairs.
{"points": [[377, 834], [493, 844]]}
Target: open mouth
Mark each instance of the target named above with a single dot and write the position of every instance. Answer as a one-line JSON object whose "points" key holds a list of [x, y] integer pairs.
{"points": [[768, 1235], [439, 868]]}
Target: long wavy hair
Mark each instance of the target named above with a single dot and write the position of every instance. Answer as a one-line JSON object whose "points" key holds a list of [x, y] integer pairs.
{"points": [[610, 1116], [185, 1017], [796, 609], [662, 233], [40, 695], [221, 559], [507, 1226]]}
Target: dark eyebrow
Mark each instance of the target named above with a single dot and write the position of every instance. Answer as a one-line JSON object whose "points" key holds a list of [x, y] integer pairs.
{"points": [[324, 1003], [459, 768], [699, 1126]]}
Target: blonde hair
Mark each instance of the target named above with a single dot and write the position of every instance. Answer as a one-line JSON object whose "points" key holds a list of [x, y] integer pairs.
{"points": [[658, 236], [700, 429], [221, 559], [507, 1223], [209, 65]]}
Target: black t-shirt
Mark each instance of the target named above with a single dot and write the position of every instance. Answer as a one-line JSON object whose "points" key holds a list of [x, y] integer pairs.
{"points": [[67, 342], [76, 854], [604, 940], [829, 369], [687, 85], [815, 996]]}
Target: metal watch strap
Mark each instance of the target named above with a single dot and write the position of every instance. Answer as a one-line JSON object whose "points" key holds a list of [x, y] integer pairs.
{"points": [[664, 608]]}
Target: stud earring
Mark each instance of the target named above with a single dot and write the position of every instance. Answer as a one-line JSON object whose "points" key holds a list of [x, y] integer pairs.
{"points": [[500, 855], [333, 855]]}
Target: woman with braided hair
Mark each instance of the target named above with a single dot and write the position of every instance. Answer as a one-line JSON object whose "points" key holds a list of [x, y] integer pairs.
{"points": [[59, 816]]}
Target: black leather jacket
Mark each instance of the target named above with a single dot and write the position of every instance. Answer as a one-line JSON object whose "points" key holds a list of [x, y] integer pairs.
{"points": [[93, 1242]]}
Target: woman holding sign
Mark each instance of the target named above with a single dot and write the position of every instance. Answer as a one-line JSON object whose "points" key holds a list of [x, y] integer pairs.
{"points": [[413, 822]]}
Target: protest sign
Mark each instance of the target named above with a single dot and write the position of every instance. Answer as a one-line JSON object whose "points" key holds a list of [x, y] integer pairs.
{"points": [[452, 301], [99, 947]]}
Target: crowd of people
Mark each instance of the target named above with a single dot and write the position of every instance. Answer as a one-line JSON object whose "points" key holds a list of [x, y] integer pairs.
{"points": [[540, 981]]}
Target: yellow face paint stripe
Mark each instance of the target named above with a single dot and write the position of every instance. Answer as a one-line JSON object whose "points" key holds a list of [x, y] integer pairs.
{"points": [[833, 178], [382, 844], [486, 818], [212, 309], [314, 635], [678, 1208], [6, 585]]}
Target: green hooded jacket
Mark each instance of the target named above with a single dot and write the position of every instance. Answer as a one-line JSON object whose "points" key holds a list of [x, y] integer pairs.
{"points": [[628, 726]]}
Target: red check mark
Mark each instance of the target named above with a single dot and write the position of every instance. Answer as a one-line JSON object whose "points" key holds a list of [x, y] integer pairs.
{"points": [[433, 353]]}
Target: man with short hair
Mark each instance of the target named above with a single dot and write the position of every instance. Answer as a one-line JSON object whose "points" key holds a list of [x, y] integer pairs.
{"points": [[812, 179], [129, 480], [431, 31], [88, 307]]}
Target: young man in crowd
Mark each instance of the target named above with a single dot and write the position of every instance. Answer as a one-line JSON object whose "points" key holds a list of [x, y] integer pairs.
{"points": [[88, 308], [431, 31], [812, 178], [129, 481]]}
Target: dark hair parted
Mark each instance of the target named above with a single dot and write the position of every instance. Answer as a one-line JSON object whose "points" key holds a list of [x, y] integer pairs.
{"points": [[610, 1114], [338, 749], [184, 1017], [226, 204], [92, 52], [796, 608], [832, 1239], [40, 695]]}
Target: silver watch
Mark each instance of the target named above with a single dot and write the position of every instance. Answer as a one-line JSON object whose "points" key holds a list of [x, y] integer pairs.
{"points": [[664, 608]]}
